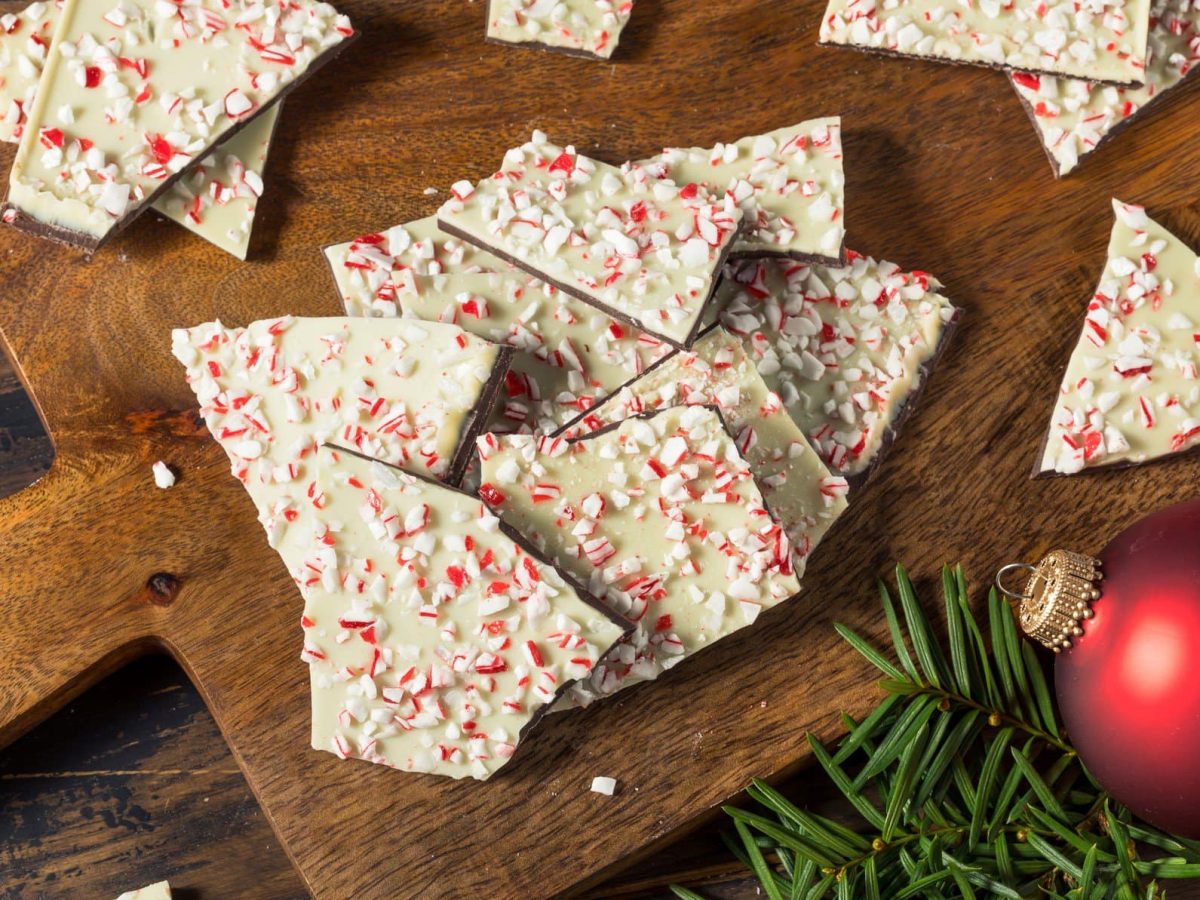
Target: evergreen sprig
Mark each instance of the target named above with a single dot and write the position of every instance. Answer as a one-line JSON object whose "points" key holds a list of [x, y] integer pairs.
{"points": [[962, 780]]}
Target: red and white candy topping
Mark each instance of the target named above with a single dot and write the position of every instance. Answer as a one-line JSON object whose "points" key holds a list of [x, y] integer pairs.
{"points": [[135, 92], [433, 639], [398, 390], [1131, 391], [843, 347], [588, 27], [1096, 40], [788, 183], [640, 248], [662, 519], [803, 496], [1073, 116]]}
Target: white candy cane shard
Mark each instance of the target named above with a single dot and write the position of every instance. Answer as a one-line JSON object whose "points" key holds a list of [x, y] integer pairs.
{"points": [[131, 96], [367, 269], [661, 518], [788, 183], [588, 28], [802, 494], [1073, 118], [158, 891], [409, 393], [1131, 391], [639, 248], [217, 197], [847, 349], [1097, 40], [602, 784], [434, 639]]}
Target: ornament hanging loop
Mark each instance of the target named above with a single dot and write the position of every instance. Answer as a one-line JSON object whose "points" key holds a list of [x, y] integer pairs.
{"points": [[1056, 598]]}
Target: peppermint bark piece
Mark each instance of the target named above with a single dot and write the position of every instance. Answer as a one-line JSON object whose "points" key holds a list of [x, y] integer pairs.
{"points": [[570, 354], [847, 349], [435, 638], [216, 198], [160, 890], [804, 497], [1131, 391], [132, 95], [589, 28], [410, 393], [788, 183], [661, 518], [1073, 118], [367, 268], [641, 249], [1097, 40]]}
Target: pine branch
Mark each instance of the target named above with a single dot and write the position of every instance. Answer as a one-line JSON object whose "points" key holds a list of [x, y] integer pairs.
{"points": [[962, 781]]}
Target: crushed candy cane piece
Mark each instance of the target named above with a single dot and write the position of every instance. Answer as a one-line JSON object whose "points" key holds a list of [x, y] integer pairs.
{"points": [[163, 476], [602, 784]]}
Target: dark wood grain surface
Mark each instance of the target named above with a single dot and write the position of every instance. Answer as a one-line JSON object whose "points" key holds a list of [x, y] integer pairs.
{"points": [[943, 174]]}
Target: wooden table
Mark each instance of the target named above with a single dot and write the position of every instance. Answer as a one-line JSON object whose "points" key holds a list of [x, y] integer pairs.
{"points": [[943, 174]]}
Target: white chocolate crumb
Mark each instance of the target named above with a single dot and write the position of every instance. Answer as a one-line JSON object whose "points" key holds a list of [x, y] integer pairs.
{"points": [[163, 476], [602, 784]]}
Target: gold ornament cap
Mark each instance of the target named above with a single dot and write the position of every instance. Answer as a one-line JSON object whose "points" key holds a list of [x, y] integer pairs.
{"points": [[1056, 598]]}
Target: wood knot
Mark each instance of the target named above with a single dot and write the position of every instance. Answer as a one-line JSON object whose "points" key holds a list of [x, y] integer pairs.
{"points": [[161, 588]]}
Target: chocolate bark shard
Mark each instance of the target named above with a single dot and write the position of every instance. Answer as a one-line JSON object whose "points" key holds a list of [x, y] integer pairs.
{"points": [[410, 393], [661, 517], [588, 28], [847, 349], [1098, 40], [217, 197], [640, 249], [130, 97], [788, 183], [1073, 118], [803, 496], [434, 640], [1131, 390]]}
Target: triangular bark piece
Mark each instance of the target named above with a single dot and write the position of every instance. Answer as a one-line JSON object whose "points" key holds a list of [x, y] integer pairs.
{"points": [[435, 636], [1131, 391]]}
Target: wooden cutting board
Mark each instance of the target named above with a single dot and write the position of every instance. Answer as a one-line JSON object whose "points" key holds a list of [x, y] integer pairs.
{"points": [[944, 173]]}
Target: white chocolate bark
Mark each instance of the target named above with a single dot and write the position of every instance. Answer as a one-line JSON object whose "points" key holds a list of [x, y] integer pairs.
{"points": [[1131, 391], [639, 248], [844, 348], [581, 27], [134, 92], [404, 392], [217, 197], [801, 493], [788, 183], [1072, 116], [1097, 40], [157, 891], [434, 640], [661, 518], [367, 268]]}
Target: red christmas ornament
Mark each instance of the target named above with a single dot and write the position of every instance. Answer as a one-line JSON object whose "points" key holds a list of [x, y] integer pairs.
{"points": [[1128, 671]]}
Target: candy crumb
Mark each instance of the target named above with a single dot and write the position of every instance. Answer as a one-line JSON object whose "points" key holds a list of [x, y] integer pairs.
{"points": [[602, 784], [163, 476], [430, 191]]}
